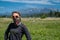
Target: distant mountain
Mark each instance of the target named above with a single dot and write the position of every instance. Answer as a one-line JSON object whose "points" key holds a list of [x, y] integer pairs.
{"points": [[36, 10], [31, 11]]}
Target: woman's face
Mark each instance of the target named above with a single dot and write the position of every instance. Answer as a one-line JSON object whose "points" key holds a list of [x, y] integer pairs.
{"points": [[16, 18]]}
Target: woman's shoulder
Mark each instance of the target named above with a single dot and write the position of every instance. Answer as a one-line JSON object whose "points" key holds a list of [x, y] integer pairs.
{"points": [[11, 24], [23, 25]]}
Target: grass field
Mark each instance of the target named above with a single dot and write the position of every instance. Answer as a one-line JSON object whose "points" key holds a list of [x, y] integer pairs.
{"points": [[40, 29]]}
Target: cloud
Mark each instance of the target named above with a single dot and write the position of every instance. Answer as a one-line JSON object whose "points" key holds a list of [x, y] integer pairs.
{"points": [[37, 2], [57, 1], [46, 2]]}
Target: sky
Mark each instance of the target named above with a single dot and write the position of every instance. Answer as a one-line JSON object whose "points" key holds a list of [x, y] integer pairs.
{"points": [[15, 5]]}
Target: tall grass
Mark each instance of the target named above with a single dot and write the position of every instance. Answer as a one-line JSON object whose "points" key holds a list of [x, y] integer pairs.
{"points": [[39, 29]]}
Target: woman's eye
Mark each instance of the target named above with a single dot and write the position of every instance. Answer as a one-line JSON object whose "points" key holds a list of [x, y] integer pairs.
{"points": [[16, 16]]}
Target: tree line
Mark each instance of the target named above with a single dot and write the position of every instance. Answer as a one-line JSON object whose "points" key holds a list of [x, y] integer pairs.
{"points": [[42, 15]]}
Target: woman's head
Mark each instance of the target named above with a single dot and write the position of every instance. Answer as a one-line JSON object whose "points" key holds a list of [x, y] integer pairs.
{"points": [[16, 16]]}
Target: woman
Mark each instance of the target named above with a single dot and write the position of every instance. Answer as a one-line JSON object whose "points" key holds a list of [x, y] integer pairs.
{"points": [[16, 29]]}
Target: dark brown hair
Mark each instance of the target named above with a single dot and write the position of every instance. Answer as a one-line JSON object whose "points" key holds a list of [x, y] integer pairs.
{"points": [[16, 12]]}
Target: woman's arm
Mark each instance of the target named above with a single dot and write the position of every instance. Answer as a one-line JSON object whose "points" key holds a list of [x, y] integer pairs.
{"points": [[26, 32], [6, 32]]}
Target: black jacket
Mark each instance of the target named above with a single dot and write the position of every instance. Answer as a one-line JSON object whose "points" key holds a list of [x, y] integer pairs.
{"points": [[14, 32]]}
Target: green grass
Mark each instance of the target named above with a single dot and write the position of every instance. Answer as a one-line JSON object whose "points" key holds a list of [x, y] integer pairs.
{"points": [[39, 29]]}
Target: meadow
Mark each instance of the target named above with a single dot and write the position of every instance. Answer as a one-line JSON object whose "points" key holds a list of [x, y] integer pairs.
{"points": [[40, 29]]}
